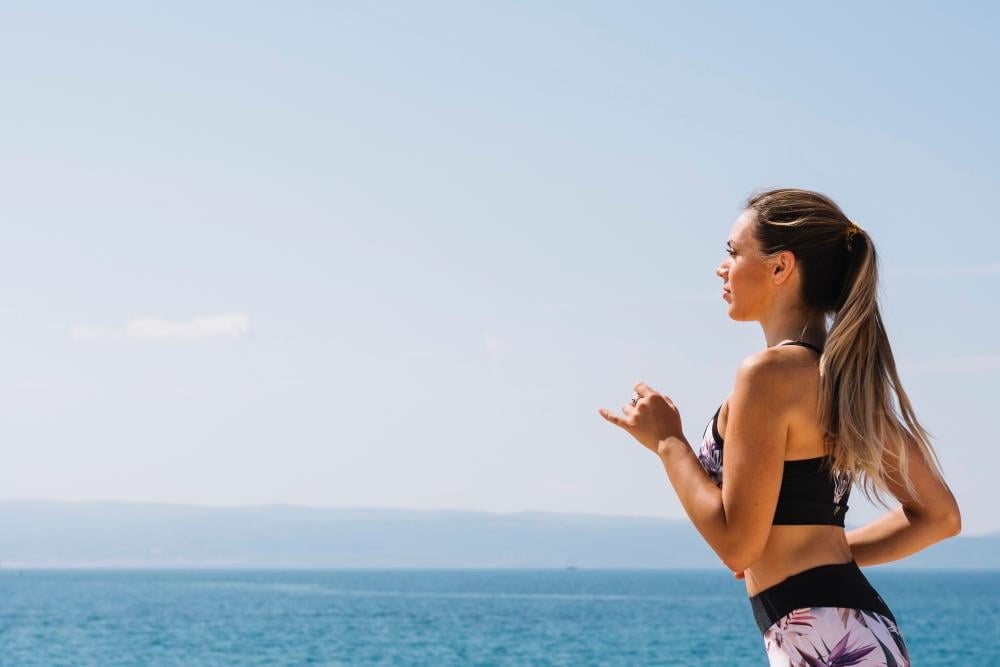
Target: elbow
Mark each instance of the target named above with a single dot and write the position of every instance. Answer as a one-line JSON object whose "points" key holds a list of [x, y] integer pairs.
{"points": [[945, 523], [738, 564], [740, 558], [950, 520], [953, 523], [941, 524]]}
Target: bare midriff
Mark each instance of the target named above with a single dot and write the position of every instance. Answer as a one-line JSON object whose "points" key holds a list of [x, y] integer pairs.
{"points": [[792, 549]]}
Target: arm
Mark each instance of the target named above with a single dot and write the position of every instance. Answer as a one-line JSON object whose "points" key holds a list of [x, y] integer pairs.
{"points": [[913, 525], [736, 520], [700, 497]]}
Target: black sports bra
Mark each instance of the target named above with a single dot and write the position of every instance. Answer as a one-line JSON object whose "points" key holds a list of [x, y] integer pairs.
{"points": [[808, 495]]}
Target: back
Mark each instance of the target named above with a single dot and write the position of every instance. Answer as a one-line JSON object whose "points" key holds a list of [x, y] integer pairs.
{"points": [[793, 547], [810, 493]]}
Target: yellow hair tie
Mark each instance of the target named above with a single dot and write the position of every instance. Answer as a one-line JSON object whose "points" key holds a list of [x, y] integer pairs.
{"points": [[852, 229]]}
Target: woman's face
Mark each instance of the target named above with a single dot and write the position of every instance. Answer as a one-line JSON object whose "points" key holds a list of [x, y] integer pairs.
{"points": [[744, 276]]}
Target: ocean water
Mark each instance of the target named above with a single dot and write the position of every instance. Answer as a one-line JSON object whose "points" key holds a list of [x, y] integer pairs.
{"points": [[446, 617]]}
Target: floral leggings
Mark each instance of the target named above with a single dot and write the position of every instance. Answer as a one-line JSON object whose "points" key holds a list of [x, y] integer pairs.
{"points": [[828, 616], [827, 636]]}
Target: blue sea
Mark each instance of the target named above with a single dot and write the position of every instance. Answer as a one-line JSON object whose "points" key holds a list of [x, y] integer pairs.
{"points": [[446, 617]]}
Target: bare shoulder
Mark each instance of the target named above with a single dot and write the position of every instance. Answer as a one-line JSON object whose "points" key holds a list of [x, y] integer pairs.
{"points": [[777, 375], [780, 376], [772, 365]]}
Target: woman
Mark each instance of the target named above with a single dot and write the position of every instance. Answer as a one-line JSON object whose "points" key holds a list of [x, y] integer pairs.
{"points": [[809, 415]]}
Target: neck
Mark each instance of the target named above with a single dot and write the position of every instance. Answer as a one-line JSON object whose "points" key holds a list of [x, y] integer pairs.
{"points": [[785, 326]]}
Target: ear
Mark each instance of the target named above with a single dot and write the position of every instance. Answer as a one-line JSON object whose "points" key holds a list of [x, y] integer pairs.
{"points": [[783, 266]]}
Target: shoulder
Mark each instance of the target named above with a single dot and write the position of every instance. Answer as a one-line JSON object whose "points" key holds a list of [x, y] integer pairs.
{"points": [[766, 364], [769, 375]]}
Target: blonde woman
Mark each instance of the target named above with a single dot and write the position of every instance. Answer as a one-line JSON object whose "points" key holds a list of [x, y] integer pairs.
{"points": [[809, 416]]}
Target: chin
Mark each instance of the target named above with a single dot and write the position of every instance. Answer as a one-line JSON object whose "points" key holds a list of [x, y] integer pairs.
{"points": [[734, 315]]}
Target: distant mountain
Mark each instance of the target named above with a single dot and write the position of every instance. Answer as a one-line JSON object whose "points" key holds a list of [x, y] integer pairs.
{"points": [[113, 534]]}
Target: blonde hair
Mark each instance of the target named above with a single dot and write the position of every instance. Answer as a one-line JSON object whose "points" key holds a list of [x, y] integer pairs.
{"points": [[839, 269]]}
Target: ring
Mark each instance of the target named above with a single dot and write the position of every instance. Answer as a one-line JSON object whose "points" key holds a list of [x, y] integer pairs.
{"points": [[635, 398]]}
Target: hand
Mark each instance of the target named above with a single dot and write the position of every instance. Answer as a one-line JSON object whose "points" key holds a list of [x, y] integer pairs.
{"points": [[653, 419]]}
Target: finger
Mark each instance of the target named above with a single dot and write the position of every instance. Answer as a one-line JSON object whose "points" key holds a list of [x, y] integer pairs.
{"points": [[613, 418], [643, 389], [629, 410]]}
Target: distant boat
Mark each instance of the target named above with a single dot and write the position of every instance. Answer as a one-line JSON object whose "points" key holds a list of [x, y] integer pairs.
{"points": [[572, 567]]}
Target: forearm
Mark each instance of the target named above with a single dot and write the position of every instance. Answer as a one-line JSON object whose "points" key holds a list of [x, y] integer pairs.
{"points": [[895, 535], [700, 497]]}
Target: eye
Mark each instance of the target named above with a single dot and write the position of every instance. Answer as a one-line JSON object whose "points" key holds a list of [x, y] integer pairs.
{"points": [[730, 251]]}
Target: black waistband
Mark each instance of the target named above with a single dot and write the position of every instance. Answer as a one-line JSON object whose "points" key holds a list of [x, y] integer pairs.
{"points": [[834, 585]]}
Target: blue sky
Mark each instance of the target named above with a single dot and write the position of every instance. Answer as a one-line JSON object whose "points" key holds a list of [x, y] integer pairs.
{"points": [[398, 254]]}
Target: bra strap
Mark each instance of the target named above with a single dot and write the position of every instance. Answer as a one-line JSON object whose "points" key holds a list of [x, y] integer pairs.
{"points": [[802, 343]]}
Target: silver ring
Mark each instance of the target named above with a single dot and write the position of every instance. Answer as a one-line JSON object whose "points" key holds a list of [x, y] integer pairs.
{"points": [[635, 398]]}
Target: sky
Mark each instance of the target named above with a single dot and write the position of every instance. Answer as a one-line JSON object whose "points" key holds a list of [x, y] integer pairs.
{"points": [[398, 254]]}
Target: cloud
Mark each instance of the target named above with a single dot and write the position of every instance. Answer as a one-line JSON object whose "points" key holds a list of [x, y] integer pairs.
{"points": [[222, 325], [954, 365]]}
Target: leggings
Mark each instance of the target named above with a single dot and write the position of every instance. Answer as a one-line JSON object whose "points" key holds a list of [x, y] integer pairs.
{"points": [[828, 615]]}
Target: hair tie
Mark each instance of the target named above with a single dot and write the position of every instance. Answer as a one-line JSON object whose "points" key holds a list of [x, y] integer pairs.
{"points": [[852, 229]]}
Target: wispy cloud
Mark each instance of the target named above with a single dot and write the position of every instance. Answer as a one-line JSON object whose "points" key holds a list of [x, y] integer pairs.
{"points": [[953, 365], [222, 325]]}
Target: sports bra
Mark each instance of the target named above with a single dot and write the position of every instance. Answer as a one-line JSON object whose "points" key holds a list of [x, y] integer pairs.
{"points": [[809, 494]]}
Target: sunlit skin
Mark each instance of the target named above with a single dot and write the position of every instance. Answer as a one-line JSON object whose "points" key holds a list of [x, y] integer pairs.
{"points": [[770, 416]]}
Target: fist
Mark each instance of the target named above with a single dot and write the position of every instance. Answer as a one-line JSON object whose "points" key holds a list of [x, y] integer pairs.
{"points": [[653, 418]]}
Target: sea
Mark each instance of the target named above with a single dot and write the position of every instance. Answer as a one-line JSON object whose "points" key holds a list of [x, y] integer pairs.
{"points": [[447, 617]]}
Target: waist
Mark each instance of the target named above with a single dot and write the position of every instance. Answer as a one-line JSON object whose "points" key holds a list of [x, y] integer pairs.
{"points": [[833, 585]]}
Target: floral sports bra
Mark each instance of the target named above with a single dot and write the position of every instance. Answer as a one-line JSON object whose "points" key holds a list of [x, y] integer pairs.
{"points": [[809, 494]]}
